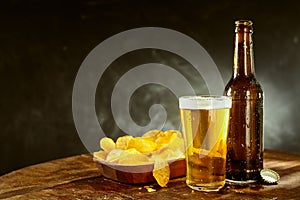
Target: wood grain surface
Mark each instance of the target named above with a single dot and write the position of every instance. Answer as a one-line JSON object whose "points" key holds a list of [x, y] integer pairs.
{"points": [[78, 177]]}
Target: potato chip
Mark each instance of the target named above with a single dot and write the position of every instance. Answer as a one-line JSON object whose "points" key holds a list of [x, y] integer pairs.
{"points": [[100, 155], [180, 153], [167, 154], [170, 139], [171, 132], [176, 142], [107, 144], [161, 172], [162, 140], [152, 135], [114, 155], [122, 142], [142, 145], [149, 189], [132, 156], [131, 151]]}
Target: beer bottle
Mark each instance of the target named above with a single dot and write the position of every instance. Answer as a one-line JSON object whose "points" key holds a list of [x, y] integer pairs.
{"points": [[245, 136]]}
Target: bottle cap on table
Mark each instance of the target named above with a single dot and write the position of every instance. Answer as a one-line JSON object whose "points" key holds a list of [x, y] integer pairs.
{"points": [[269, 176]]}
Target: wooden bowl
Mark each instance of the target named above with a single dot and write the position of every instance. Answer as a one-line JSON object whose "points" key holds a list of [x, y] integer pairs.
{"points": [[137, 174]]}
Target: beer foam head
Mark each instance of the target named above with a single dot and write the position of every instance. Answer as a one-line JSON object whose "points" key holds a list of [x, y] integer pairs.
{"points": [[204, 102]]}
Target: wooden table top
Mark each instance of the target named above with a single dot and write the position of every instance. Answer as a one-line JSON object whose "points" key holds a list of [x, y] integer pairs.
{"points": [[78, 177]]}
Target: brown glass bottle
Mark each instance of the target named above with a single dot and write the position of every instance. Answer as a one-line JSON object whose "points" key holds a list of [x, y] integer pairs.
{"points": [[245, 136]]}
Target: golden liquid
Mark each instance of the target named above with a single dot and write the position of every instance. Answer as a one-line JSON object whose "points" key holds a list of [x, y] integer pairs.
{"points": [[205, 134]]}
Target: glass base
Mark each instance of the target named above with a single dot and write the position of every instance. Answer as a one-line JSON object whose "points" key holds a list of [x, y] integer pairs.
{"points": [[206, 188]]}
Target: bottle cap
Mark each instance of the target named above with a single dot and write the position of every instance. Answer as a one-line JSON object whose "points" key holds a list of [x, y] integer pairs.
{"points": [[269, 176]]}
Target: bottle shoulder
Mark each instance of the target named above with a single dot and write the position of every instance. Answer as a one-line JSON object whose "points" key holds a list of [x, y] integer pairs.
{"points": [[244, 88]]}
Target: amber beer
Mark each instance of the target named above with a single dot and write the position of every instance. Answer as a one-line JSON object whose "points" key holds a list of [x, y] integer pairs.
{"points": [[245, 137], [204, 125]]}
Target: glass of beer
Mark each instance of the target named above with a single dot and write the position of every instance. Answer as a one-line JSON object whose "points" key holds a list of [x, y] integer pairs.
{"points": [[204, 122]]}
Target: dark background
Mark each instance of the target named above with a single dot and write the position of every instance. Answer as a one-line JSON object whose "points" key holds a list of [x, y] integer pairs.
{"points": [[43, 43]]}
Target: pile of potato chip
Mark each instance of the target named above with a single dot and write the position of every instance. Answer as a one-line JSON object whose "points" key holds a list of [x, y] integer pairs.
{"points": [[155, 146]]}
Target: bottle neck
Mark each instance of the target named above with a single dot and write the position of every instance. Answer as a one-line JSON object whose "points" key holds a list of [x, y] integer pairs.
{"points": [[243, 64]]}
